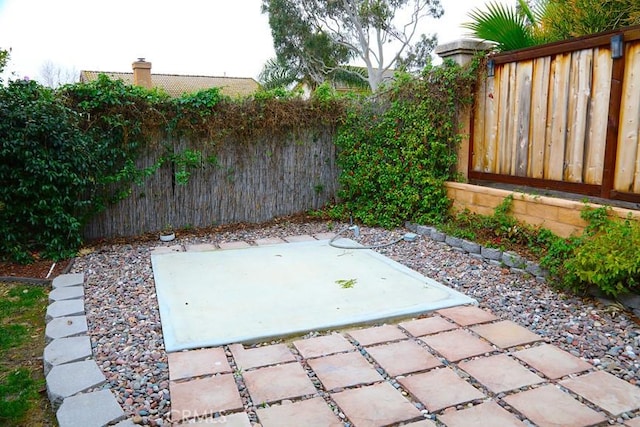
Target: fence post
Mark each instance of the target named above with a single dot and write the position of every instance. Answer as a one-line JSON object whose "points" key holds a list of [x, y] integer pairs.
{"points": [[461, 52]]}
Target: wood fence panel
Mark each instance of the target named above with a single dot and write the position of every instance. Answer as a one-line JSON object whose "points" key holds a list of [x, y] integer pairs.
{"points": [[596, 135], [522, 117], [627, 168], [539, 112], [505, 119], [479, 157], [559, 111], [578, 111]]}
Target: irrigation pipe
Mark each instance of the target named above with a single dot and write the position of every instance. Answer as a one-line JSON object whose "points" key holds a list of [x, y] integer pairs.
{"points": [[382, 245]]}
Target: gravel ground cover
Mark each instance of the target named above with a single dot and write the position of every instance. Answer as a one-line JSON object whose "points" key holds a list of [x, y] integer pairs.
{"points": [[126, 334]]}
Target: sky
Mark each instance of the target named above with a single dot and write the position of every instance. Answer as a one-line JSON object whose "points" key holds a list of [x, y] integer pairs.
{"points": [[196, 37]]}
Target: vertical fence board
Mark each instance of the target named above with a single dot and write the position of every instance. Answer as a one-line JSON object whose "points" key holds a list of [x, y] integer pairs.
{"points": [[596, 135], [559, 98], [480, 118], [539, 111], [504, 121], [627, 169], [522, 117], [578, 112]]}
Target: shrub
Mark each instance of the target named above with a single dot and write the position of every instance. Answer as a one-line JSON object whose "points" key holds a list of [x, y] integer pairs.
{"points": [[607, 258], [396, 150]]}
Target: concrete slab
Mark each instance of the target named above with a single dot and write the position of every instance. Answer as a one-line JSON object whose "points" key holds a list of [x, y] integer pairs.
{"points": [[66, 293], [259, 292], [71, 279], [98, 408], [72, 307], [65, 350], [61, 327], [66, 380]]}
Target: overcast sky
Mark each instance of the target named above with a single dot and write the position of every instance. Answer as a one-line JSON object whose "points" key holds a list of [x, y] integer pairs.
{"points": [[199, 37]]}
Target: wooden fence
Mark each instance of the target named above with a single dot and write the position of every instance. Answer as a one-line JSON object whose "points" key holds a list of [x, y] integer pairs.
{"points": [[563, 116], [250, 182]]}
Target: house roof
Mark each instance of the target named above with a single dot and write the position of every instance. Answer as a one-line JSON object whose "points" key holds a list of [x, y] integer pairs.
{"points": [[176, 85]]}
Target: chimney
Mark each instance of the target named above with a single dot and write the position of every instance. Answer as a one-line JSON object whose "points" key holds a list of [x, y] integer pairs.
{"points": [[142, 73]]}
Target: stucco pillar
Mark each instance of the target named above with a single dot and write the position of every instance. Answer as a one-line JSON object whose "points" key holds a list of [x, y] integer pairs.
{"points": [[142, 73]]}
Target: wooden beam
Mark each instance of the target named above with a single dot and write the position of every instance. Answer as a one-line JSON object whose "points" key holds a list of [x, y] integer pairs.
{"points": [[547, 184], [613, 119]]}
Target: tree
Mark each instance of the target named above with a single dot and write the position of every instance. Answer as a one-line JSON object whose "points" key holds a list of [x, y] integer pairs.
{"points": [[4, 58], [325, 35], [53, 76]]}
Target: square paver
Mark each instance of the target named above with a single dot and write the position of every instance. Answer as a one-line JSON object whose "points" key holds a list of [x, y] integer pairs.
{"points": [[311, 412], [204, 397], [240, 419], [633, 423], [376, 405], [467, 315], [260, 356], [344, 370], [506, 334], [201, 247], [440, 388], [485, 414], [500, 373], [457, 345], [275, 383], [423, 423], [428, 326], [377, 335], [547, 406], [194, 363], [403, 357], [552, 361], [605, 390], [322, 346]]}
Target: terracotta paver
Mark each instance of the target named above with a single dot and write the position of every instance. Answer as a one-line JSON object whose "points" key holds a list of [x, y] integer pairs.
{"points": [[606, 391], [276, 383], [428, 325], [324, 236], [201, 247], [194, 363], [467, 315], [311, 412], [457, 344], [204, 397], [553, 362], [423, 423], [377, 335], [375, 405], [240, 419], [344, 370], [506, 334], [323, 345], [485, 414], [548, 406], [500, 373], [260, 356], [440, 388], [403, 357], [633, 423]]}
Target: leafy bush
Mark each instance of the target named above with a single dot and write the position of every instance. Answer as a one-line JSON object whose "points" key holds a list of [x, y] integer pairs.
{"points": [[43, 172], [607, 257], [396, 151]]}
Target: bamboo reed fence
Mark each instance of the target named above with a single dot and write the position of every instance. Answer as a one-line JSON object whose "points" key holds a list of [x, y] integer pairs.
{"points": [[563, 116], [249, 182]]}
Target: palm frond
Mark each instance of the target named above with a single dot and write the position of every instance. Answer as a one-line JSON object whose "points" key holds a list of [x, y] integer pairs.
{"points": [[503, 25]]}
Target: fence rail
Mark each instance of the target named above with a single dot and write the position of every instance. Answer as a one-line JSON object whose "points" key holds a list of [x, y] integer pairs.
{"points": [[250, 182], [563, 116]]}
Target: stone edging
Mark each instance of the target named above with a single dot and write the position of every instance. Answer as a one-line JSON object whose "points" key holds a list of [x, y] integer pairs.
{"points": [[68, 361], [493, 256]]}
